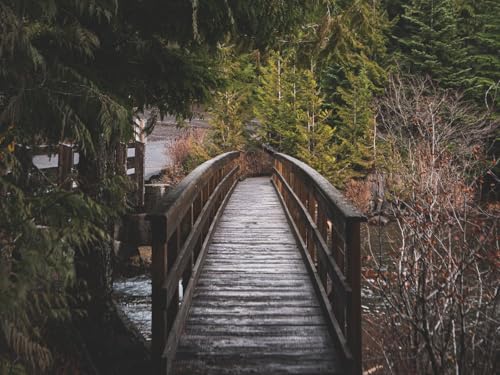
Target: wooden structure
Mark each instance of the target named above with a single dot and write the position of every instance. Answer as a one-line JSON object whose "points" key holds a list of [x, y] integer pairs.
{"points": [[66, 164], [269, 284], [136, 162]]}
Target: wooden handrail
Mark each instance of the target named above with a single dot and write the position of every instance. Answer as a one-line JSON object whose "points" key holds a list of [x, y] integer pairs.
{"points": [[327, 228], [182, 226]]}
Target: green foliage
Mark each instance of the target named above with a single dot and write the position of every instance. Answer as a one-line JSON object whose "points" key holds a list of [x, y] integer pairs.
{"points": [[47, 92], [356, 40], [432, 44], [290, 108], [354, 148], [315, 135], [47, 95], [41, 228], [231, 107], [479, 27], [275, 102]]}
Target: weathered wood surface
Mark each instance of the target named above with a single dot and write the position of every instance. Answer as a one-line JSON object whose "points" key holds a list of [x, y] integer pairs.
{"points": [[255, 310]]}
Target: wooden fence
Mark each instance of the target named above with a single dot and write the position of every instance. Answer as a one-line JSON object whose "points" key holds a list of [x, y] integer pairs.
{"points": [[67, 153]]}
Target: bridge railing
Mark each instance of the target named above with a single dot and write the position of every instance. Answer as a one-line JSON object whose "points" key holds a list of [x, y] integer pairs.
{"points": [[181, 230], [328, 229]]}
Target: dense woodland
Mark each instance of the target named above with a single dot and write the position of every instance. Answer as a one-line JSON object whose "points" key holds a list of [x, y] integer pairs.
{"points": [[404, 93]]}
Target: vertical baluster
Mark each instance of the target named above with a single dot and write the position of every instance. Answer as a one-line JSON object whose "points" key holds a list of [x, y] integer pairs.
{"points": [[337, 250], [173, 249], [158, 273], [187, 226], [310, 203], [323, 230], [354, 303]]}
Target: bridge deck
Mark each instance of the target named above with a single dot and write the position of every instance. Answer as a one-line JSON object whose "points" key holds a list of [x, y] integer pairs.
{"points": [[255, 310]]}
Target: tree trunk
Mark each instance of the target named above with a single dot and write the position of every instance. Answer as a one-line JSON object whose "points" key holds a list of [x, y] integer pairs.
{"points": [[93, 264]]}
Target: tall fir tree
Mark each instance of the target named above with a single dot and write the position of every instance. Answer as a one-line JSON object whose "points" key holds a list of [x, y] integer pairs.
{"points": [[275, 104], [231, 109], [315, 135], [356, 39], [354, 134], [431, 44], [479, 26]]}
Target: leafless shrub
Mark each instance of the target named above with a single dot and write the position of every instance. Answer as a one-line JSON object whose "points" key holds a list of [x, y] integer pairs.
{"points": [[182, 148], [255, 163], [185, 153], [359, 192], [439, 290]]}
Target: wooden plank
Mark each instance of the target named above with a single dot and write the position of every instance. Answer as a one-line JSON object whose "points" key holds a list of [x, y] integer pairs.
{"points": [[254, 330], [272, 366], [254, 308]]}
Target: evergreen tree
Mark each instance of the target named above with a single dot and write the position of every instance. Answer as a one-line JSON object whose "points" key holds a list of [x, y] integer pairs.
{"points": [[291, 110], [431, 44], [315, 135], [354, 147], [275, 103], [231, 108], [479, 26], [355, 32]]}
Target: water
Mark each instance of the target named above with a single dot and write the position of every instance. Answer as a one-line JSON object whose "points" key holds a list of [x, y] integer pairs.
{"points": [[133, 296]]}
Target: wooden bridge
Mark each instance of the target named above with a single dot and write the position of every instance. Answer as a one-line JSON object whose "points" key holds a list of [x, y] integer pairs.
{"points": [[259, 276]]}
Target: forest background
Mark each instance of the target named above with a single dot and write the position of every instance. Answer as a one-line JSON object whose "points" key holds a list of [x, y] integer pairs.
{"points": [[401, 95]]}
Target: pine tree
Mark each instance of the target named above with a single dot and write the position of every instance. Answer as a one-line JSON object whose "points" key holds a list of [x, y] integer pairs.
{"points": [[356, 40], [431, 44], [275, 103], [354, 132], [315, 135], [479, 26], [231, 108]]}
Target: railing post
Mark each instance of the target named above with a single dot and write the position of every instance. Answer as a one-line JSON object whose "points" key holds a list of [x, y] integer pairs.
{"points": [[158, 273], [354, 304], [65, 166], [139, 172]]}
